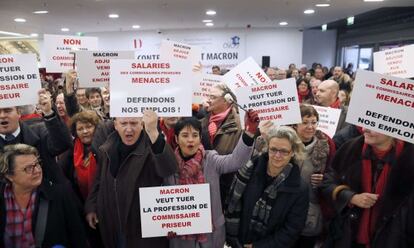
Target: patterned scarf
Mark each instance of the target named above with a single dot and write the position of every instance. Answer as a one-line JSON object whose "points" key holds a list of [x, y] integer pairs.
{"points": [[85, 168], [191, 172], [215, 122]]}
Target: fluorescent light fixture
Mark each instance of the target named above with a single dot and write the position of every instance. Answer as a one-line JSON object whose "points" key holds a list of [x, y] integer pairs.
{"points": [[283, 23], [11, 33], [211, 12], [373, 1], [309, 11], [350, 20], [19, 20], [64, 29], [39, 12], [324, 27], [205, 21], [209, 24], [136, 26], [80, 33], [321, 5], [113, 16], [34, 35]]}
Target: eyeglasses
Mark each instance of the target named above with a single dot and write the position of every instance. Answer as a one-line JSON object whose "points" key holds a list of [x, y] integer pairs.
{"points": [[30, 169], [282, 152], [312, 123]]}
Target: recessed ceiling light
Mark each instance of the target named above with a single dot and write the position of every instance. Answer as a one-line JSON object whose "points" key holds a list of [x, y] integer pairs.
{"points": [[39, 12], [64, 29], [309, 11], [136, 26], [373, 0], [211, 12], [283, 23], [205, 21], [19, 20], [324, 27], [209, 24], [322, 5], [34, 35], [113, 16]]}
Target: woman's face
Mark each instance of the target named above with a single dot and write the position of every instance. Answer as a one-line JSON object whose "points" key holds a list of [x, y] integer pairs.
{"points": [[307, 129], [85, 131], [280, 153], [27, 174], [189, 141], [302, 87]]}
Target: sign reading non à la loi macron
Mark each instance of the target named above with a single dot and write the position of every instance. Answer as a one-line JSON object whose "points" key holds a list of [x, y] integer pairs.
{"points": [[93, 66], [137, 85], [328, 119], [59, 50], [184, 209], [396, 62], [384, 104], [19, 80]]}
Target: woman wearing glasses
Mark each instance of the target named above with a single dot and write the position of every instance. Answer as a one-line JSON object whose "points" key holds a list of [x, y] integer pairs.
{"points": [[268, 201], [33, 212], [320, 150]]}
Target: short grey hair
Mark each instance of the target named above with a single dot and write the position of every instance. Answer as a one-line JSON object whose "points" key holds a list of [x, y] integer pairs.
{"points": [[9, 154], [284, 132]]}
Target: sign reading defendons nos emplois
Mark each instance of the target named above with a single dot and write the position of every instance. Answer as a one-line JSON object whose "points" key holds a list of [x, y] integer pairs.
{"points": [[384, 104]]}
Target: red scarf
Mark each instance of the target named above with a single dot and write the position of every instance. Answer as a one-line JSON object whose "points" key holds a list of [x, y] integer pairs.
{"points": [[30, 116], [169, 134], [215, 122], [191, 172], [303, 95], [370, 215], [85, 169], [336, 104]]}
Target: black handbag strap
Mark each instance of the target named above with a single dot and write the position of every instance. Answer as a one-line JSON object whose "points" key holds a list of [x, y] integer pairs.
{"points": [[41, 222]]}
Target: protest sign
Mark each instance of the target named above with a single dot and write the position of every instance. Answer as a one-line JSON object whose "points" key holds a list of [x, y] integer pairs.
{"points": [[184, 209], [247, 73], [59, 50], [395, 62], [202, 86], [384, 104], [93, 66], [178, 52], [328, 119], [19, 80], [136, 85], [275, 101]]}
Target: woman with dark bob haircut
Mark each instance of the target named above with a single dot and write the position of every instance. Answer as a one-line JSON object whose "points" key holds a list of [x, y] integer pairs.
{"points": [[197, 166]]}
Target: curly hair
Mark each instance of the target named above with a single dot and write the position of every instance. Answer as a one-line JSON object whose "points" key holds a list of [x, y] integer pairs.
{"points": [[9, 154], [86, 116]]}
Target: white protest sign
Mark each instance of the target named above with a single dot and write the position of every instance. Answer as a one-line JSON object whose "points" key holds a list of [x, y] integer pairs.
{"points": [[276, 101], [19, 80], [136, 85], [328, 119], [202, 86], [184, 209], [178, 52], [384, 104], [395, 62], [59, 50], [93, 66], [247, 73]]}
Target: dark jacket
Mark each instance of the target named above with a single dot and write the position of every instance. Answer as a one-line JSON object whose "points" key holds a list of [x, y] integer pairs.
{"points": [[64, 225], [116, 200], [51, 138], [395, 225], [288, 214]]}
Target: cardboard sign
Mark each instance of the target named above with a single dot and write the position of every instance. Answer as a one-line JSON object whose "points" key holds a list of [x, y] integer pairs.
{"points": [[275, 101], [184, 209], [59, 50], [328, 119], [19, 80], [202, 86], [93, 66], [395, 62], [384, 104], [178, 52], [247, 73], [136, 85]]}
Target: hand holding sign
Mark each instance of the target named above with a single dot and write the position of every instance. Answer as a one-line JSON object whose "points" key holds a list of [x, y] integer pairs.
{"points": [[251, 120], [45, 102], [150, 119]]}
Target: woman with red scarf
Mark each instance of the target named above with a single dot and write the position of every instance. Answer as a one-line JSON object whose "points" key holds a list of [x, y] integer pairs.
{"points": [[371, 185], [304, 89]]}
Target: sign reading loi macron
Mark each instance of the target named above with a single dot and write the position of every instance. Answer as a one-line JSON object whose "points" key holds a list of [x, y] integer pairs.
{"points": [[384, 104], [184, 209]]}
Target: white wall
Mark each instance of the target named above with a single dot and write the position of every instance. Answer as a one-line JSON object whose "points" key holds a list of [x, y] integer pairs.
{"points": [[319, 47]]}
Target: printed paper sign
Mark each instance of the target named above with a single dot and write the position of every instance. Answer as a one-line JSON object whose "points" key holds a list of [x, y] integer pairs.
{"points": [[184, 209], [328, 119], [136, 85], [247, 73], [384, 104], [19, 80], [59, 50], [275, 101], [179, 52], [93, 66], [395, 62], [202, 86]]}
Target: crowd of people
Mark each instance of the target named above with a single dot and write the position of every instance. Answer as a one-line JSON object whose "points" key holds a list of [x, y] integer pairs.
{"points": [[70, 173]]}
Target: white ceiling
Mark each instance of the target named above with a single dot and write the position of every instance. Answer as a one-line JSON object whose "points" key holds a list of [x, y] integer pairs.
{"points": [[92, 15]]}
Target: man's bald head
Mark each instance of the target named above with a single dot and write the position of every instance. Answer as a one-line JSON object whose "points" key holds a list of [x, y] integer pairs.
{"points": [[327, 93]]}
